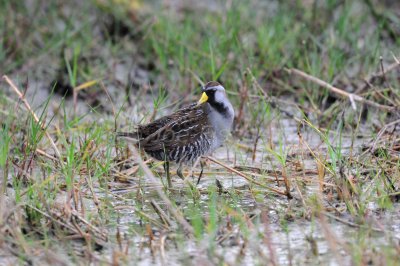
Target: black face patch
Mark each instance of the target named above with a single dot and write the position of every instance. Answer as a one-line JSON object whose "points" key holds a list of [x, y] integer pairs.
{"points": [[210, 93], [218, 106]]}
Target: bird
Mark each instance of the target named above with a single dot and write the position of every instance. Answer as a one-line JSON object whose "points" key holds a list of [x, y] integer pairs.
{"points": [[191, 132]]}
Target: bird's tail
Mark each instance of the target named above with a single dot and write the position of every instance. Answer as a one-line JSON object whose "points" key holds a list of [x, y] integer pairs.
{"points": [[129, 135]]}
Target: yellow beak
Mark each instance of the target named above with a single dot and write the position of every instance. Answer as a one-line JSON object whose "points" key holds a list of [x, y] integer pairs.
{"points": [[203, 98]]}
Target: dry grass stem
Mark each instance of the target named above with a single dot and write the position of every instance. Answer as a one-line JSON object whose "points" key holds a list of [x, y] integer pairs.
{"points": [[352, 97], [21, 96], [251, 180]]}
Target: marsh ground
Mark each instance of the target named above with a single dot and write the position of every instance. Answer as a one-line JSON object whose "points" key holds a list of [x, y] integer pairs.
{"points": [[310, 174]]}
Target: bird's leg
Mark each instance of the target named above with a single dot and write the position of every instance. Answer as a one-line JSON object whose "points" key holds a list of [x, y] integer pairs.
{"points": [[219, 186], [192, 170], [179, 171], [166, 169], [201, 171], [193, 189]]}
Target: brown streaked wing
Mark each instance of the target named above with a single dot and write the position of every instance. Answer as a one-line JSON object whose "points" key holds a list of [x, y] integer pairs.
{"points": [[144, 131], [179, 132]]}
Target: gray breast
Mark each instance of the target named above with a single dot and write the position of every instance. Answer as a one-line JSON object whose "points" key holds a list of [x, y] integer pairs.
{"points": [[222, 125]]}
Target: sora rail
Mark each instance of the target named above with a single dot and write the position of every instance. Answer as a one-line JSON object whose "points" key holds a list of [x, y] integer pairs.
{"points": [[188, 133]]}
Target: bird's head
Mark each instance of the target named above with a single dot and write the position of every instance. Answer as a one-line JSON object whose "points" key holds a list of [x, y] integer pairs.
{"points": [[213, 93]]}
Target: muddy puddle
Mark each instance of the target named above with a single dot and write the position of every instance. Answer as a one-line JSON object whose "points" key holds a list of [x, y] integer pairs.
{"points": [[299, 240], [284, 236]]}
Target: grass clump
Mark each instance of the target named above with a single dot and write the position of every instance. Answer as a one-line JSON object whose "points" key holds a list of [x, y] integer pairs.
{"points": [[310, 173]]}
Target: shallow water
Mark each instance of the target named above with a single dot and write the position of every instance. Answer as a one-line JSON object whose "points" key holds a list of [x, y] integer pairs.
{"points": [[300, 240]]}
